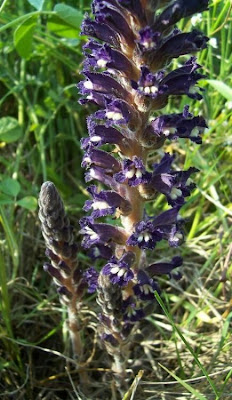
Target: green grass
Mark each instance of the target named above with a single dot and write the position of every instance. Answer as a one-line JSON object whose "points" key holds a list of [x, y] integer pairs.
{"points": [[186, 352]]}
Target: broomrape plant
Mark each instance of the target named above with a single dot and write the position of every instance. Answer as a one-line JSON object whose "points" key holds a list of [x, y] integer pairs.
{"points": [[127, 75]]}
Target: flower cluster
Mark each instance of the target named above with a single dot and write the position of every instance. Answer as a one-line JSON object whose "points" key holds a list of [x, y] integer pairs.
{"points": [[62, 252], [130, 45], [127, 75]]}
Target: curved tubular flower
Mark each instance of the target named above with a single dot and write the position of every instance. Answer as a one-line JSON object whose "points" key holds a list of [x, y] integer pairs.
{"points": [[130, 45]]}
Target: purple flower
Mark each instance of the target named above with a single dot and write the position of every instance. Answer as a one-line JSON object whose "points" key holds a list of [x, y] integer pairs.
{"points": [[101, 175], [175, 185], [130, 45], [101, 250], [183, 80], [145, 236], [106, 203], [177, 10], [145, 287], [100, 233], [58, 276], [100, 135], [180, 44], [165, 226], [149, 84], [149, 40], [133, 172], [120, 271], [174, 126], [103, 56], [101, 159], [132, 311], [110, 14], [105, 320], [117, 112], [104, 85], [90, 277], [63, 291], [162, 268], [100, 31], [158, 87]]}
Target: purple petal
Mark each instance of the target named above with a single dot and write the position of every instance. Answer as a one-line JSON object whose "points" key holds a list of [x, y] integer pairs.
{"points": [[91, 278], [133, 172], [162, 268], [100, 233], [109, 14], [100, 159], [177, 10], [106, 203], [145, 287], [119, 271], [100, 31]]}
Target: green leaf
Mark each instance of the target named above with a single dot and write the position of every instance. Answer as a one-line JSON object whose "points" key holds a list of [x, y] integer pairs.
{"points": [[221, 88], [4, 199], [61, 28], [28, 202], [23, 37], [38, 4], [10, 130], [69, 14], [10, 187]]}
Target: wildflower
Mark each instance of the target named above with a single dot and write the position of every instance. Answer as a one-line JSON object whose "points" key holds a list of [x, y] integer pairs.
{"points": [[120, 271], [130, 45], [62, 252], [95, 233], [106, 203], [152, 230]]}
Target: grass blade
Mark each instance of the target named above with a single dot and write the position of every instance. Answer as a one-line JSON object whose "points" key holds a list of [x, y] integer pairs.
{"points": [[221, 88], [177, 330], [13, 247], [195, 392]]}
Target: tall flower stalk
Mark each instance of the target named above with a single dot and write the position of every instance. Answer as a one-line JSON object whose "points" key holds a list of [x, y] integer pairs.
{"points": [[62, 252], [128, 76]]}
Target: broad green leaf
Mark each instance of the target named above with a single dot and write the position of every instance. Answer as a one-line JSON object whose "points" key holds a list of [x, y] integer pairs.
{"points": [[23, 37], [221, 88], [61, 28], [4, 199], [38, 4], [70, 15], [10, 130], [28, 202], [10, 187]]}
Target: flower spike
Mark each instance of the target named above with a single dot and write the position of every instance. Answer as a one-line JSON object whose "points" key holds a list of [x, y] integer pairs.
{"points": [[131, 44], [62, 252]]}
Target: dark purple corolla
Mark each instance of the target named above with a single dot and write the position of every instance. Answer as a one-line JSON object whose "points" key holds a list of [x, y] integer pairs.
{"points": [[145, 287], [133, 172], [175, 185], [106, 202], [120, 271], [166, 225]]}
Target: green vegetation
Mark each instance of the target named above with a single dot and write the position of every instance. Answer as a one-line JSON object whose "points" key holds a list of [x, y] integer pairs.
{"points": [[186, 352]]}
